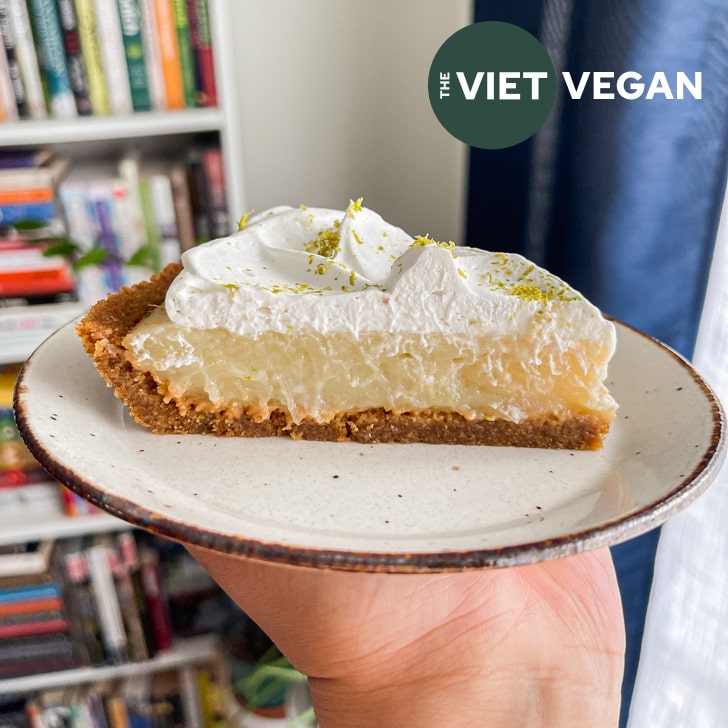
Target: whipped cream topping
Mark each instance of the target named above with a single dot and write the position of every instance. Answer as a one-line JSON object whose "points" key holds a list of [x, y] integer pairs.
{"points": [[350, 271]]}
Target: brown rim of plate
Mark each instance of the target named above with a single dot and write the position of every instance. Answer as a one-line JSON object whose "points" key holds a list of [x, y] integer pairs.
{"points": [[605, 534]]}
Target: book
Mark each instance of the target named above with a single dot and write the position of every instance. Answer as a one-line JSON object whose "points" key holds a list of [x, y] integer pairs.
{"points": [[113, 56], [36, 211], [11, 67], [121, 571], [44, 176], [18, 196], [216, 197], [155, 598], [117, 712], [33, 666], [190, 697], [196, 185], [131, 31], [27, 271], [31, 606], [130, 558], [86, 625], [74, 56], [182, 201], [91, 52], [8, 106], [151, 228], [89, 208], [160, 190], [27, 57], [36, 646], [34, 560], [56, 622], [19, 502], [52, 58], [106, 600], [186, 58], [20, 157], [201, 41], [152, 55], [13, 595], [133, 216], [169, 54]]}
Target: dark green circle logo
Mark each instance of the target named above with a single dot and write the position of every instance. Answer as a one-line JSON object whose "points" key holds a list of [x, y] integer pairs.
{"points": [[492, 85]]}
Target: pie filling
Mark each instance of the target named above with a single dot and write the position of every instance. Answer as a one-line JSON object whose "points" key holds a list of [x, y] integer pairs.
{"points": [[314, 377]]}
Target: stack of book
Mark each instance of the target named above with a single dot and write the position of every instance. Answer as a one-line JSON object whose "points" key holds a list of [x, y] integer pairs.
{"points": [[35, 629], [65, 58], [37, 291], [28, 182], [143, 214]]}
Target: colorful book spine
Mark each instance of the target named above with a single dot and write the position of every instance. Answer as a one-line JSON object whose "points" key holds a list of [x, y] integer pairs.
{"points": [[113, 56], [27, 58], [34, 591], [108, 236], [91, 51], [201, 40], [186, 58], [156, 599], [55, 623], [214, 174], [31, 606], [11, 62], [131, 31], [74, 56], [169, 52], [152, 55], [136, 640], [107, 603], [182, 206], [163, 206], [196, 184], [150, 223], [8, 105], [52, 58], [85, 626], [30, 194], [40, 211]]}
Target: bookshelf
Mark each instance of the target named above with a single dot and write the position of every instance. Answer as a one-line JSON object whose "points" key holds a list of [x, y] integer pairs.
{"points": [[100, 138], [76, 136]]}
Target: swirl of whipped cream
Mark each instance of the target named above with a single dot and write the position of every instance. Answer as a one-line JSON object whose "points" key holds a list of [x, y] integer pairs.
{"points": [[350, 271]]}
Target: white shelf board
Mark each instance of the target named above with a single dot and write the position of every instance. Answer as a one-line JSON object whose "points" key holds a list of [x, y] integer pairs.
{"points": [[58, 526], [30, 132], [190, 651]]}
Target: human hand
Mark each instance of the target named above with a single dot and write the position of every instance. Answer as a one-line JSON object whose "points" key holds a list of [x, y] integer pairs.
{"points": [[537, 645]]}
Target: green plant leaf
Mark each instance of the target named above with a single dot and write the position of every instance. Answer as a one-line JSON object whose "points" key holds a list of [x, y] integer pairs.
{"points": [[60, 247], [94, 256], [144, 256], [29, 225]]}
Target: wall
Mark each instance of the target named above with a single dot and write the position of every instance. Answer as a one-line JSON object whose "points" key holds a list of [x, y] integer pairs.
{"points": [[334, 105]]}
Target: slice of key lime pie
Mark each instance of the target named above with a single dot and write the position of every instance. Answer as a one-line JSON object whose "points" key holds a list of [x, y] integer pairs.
{"points": [[335, 325]]}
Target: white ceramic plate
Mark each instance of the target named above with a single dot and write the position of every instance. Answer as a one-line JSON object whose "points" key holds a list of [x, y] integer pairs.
{"points": [[381, 507]]}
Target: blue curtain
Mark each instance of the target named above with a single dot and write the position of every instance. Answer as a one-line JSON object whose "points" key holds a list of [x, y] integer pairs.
{"points": [[620, 198]]}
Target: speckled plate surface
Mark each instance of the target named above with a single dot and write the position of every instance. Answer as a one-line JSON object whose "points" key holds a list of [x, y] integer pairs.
{"points": [[393, 508]]}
